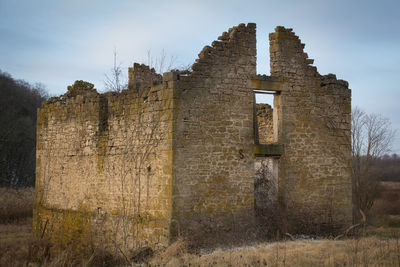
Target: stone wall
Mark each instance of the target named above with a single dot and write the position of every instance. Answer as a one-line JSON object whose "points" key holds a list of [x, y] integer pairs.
{"points": [[314, 127], [188, 153], [213, 134], [142, 76], [104, 168]]}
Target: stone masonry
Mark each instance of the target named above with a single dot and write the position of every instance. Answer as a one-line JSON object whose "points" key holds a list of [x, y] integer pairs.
{"points": [[184, 150], [265, 124]]}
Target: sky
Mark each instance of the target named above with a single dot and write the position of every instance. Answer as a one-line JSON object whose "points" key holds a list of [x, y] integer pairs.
{"points": [[56, 42]]}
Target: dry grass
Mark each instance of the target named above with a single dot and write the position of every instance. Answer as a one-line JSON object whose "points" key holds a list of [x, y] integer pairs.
{"points": [[16, 204], [16, 244], [19, 248], [388, 201], [386, 209], [369, 251], [14, 240], [15, 225]]}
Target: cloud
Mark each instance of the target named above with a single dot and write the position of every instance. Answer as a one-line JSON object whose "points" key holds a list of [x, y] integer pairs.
{"points": [[55, 42]]}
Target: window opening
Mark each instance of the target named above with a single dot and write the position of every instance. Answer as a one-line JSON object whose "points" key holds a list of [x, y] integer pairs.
{"points": [[265, 121]]}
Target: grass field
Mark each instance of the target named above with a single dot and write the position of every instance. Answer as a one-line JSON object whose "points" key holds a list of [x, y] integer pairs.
{"points": [[368, 251], [376, 245]]}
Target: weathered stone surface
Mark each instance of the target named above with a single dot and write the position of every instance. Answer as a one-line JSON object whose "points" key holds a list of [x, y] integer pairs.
{"points": [[314, 127], [213, 133], [268, 150], [264, 82], [265, 124], [104, 169], [134, 169]]}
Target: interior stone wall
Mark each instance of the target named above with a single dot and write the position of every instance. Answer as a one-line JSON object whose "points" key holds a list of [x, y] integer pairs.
{"points": [[265, 124]]}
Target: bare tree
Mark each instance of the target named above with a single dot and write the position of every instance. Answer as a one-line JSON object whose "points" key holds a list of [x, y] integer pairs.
{"points": [[132, 169], [162, 63], [372, 136], [115, 80]]}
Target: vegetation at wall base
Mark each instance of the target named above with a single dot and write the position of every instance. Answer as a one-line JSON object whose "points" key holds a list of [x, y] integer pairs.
{"points": [[376, 244]]}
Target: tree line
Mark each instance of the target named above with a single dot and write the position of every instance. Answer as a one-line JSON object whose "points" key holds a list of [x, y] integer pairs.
{"points": [[19, 101], [389, 168]]}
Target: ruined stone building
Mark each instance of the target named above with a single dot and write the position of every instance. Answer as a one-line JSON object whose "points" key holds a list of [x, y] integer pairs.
{"points": [[139, 167]]}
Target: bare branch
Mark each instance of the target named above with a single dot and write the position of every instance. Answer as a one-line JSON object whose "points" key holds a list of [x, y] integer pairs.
{"points": [[372, 136], [162, 63], [115, 81]]}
